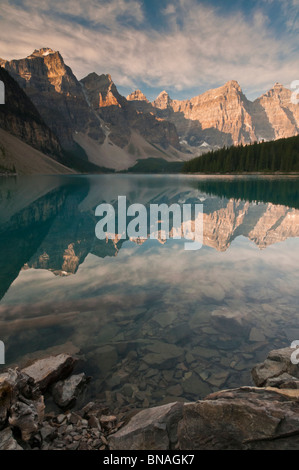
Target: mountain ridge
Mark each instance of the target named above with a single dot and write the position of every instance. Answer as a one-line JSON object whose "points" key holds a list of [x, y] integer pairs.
{"points": [[224, 115], [98, 124], [113, 131]]}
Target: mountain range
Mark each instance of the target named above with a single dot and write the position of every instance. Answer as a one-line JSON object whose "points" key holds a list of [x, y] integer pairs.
{"points": [[89, 126]]}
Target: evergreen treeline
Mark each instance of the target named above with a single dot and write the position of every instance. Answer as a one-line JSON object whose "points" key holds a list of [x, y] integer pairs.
{"points": [[276, 156], [282, 191]]}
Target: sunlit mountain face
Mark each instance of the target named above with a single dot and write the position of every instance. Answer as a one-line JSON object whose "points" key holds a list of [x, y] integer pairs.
{"points": [[169, 322]]}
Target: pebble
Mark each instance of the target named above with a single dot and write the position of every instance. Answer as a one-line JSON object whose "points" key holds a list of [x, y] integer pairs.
{"points": [[60, 418]]}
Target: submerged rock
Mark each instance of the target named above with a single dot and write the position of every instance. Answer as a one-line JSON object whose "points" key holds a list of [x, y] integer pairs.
{"points": [[256, 336], [162, 355]]}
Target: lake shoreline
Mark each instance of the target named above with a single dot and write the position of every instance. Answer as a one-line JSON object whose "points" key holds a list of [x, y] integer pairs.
{"points": [[235, 422], [245, 173]]}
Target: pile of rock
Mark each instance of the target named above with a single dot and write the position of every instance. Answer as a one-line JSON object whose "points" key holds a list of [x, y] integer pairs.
{"points": [[24, 422], [86, 429], [246, 418]]}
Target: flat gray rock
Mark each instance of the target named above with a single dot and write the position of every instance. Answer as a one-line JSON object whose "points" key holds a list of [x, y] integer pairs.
{"points": [[50, 369], [65, 392], [150, 429], [247, 418]]}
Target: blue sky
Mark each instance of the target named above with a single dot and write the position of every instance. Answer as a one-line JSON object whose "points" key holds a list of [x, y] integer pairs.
{"points": [[182, 46]]}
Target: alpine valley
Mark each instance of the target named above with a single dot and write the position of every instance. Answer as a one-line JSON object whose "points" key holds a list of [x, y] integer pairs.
{"points": [[54, 123]]}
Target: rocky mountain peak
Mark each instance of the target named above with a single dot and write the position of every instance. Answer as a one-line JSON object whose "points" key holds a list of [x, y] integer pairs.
{"points": [[43, 52], [101, 90], [277, 92], [137, 95], [102, 82], [233, 84], [282, 117], [163, 100], [56, 92], [45, 71], [163, 94]]}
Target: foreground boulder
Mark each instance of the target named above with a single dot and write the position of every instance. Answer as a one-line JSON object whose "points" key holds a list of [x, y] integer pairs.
{"points": [[7, 441], [150, 429], [21, 405], [46, 371], [277, 370], [25, 425], [247, 418], [66, 392], [22, 402]]}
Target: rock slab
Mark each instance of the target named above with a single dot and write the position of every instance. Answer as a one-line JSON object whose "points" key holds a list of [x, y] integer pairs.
{"points": [[46, 371], [65, 392], [247, 418], [150, 429]]}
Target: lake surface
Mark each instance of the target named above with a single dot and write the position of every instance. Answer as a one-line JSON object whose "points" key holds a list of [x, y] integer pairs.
{"points": [[152, 322]]}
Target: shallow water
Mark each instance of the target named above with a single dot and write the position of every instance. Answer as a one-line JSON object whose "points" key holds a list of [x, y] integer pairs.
{"points": [[152, 321]]}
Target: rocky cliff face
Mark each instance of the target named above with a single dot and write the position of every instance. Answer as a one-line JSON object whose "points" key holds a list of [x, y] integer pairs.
{"points": [[122, 117], [94, 114], [56, 93], [20, 117], [224, 116], [91, 113], [274, 115], [219, 117]]}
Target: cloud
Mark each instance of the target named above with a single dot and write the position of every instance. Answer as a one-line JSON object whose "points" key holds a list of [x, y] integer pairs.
{"points": [[197, 46], [166, 269]]}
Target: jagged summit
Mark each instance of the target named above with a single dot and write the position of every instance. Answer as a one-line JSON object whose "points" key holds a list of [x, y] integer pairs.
{"points": [[163, 100], [43, 52], [137, 95], [101, 90], [233, 84], [163, 93], [104, 81]]}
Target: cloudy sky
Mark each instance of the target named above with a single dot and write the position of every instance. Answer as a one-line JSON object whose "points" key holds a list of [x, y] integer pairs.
{"points": [[182, 46]]}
